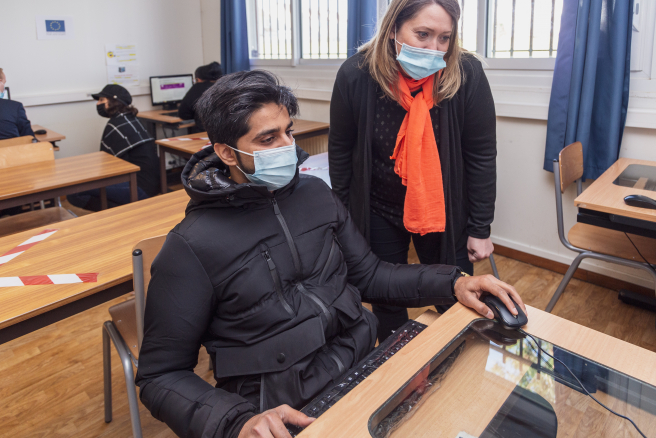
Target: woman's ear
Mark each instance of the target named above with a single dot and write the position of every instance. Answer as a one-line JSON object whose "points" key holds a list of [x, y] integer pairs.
{"points": [[226, 154]]}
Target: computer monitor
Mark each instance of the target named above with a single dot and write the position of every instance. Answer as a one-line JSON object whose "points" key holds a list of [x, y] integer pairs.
{"points": [[7, 95], [169, 90]]}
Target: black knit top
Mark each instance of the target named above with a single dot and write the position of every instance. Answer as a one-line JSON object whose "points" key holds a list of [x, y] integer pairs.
{"points": [[387, 190]]}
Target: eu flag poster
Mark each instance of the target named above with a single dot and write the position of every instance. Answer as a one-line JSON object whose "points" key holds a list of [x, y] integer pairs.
{"points": [[54, 27]]}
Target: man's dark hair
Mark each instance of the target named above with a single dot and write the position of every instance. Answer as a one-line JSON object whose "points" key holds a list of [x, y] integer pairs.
{"points": [[226, 108], [209, 72]]}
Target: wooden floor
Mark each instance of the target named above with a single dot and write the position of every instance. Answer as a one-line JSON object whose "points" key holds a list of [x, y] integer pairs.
{"points": [[51, 380]]}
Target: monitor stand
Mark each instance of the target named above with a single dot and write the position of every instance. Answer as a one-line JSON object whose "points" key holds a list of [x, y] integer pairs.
{"points": [[170, 106], [524, 414]]}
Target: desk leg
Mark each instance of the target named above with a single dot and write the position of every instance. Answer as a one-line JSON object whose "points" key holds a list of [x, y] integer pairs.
{"points": [[134, 194], [162, 171], [103, 198]]}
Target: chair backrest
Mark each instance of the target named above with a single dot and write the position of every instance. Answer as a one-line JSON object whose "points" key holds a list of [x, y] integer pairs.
{"points": [[143, 255], [570, 163], [17, 155], [17, 140]]}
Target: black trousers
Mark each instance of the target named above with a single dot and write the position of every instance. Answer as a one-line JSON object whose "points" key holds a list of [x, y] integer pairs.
{"points": [[391, 244]]}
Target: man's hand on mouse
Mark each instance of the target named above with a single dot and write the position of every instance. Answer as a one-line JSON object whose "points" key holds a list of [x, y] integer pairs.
{"points": [[468, 290], [271, 423]]}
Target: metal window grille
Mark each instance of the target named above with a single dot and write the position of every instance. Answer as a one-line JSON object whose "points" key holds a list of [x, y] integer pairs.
{"points": [[323, 29], [523, 28], [516, 28], [270, 29]]}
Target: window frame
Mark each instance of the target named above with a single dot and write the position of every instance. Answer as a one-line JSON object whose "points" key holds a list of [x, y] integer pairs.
{"points": [[296, 43]]}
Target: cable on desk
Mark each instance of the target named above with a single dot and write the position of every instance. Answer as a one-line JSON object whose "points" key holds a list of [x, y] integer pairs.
{"points": [[583, 387]]}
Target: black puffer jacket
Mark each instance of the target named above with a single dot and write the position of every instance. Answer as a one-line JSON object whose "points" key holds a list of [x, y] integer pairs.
{"points": [[271, 285]]}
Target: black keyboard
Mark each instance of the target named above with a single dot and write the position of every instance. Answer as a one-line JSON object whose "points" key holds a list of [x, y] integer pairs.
{"points": [[361, 371], [171, 114]]}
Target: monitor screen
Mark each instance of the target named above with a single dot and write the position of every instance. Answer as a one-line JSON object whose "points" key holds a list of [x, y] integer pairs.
{"points": [[7, 95], [169, 89]]}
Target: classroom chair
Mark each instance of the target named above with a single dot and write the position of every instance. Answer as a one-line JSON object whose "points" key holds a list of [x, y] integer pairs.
{"points": [[30, 153], [125, 330], [588, 240], [18, 140]]}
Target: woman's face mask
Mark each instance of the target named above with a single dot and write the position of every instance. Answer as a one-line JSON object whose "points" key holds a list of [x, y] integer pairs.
{"points": [[274, 168], [419, 63], [102, 110]]}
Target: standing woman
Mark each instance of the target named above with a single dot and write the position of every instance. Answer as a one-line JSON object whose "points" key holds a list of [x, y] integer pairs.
{"points": [[412, 143]]}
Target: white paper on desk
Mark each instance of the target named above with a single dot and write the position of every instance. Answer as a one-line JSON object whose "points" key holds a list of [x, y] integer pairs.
{"points": [[317, 165], [125, 75], [121, 54], [55, 27]]}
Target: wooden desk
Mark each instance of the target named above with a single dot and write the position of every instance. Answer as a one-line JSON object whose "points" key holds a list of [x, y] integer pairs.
{"points": [[156, 117], [100, 242], [48, 179], [50, 135], [349, 417], [187, 145], [602, 203]]}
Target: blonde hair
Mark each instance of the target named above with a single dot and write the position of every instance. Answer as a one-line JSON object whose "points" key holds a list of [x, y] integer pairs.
{"points": [[380, 51]]}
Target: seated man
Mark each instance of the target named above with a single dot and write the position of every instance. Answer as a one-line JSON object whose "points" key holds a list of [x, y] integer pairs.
{"points": [[13, 120], [206, 76], [268, 272]]}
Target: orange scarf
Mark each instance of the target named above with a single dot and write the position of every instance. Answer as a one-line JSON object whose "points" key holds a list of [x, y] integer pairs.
{"points": [[418, 161]]}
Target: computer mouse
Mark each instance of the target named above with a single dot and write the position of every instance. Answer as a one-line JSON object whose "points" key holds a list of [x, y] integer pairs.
{"points": [[40, 132], [503, 315], [640, 201]]}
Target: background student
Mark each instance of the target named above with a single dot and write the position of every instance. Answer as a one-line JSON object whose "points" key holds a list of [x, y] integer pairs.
{"points": [[125, 138], [205, 75], [13, 120], [413, 93]]}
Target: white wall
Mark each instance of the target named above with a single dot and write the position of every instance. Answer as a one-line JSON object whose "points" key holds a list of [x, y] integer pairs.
{"points": [[211, 23], [54, 78]]}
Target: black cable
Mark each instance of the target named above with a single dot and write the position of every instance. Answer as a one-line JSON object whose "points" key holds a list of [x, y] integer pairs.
{"points": [[581, 384], [636, 248]]}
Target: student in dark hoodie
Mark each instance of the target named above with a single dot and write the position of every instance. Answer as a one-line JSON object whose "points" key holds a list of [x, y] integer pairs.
{"points": [[268, 272], [125, 138], [206, 76]]}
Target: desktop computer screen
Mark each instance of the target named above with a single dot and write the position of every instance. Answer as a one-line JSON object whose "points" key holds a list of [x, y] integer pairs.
{"points": [[166, 90], [7, 95]]}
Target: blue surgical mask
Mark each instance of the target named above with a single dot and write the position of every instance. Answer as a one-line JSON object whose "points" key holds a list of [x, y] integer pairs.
{"points": [[274, 168], [420, 63], [2, 95]]}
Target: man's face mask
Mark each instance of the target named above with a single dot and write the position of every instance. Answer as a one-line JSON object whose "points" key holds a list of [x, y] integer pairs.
{"points": [[102, 110], [419, 63], [274, 168]]}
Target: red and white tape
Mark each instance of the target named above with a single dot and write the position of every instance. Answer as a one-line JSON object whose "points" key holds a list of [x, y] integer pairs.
{"points": [[35, 280], [29, 243]]}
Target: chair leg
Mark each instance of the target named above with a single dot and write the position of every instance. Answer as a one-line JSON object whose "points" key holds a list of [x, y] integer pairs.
{"points": [[563, 284], [126, 361], [494, 267], [107, 374]]}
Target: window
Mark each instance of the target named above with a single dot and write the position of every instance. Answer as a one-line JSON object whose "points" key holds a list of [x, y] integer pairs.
{"points": [[510, 29], [523, 28], [269, 29], [290, 31], [323, 29]]}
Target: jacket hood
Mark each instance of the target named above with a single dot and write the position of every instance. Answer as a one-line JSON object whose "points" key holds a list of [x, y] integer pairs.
{"points": [[206, 179]]}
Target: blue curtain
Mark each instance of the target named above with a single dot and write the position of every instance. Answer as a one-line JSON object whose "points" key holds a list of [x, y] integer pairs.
{"points": [[590, 90], [234, 36], [361, 26]]}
